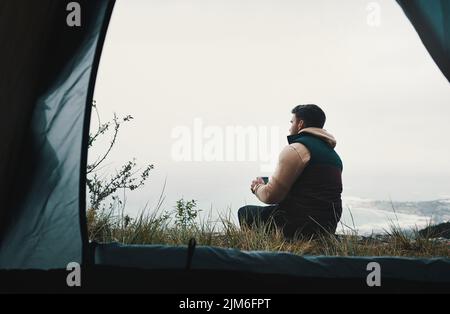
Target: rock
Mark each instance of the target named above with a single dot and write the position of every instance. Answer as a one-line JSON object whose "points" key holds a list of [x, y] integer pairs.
{"points": [[438, 231]]}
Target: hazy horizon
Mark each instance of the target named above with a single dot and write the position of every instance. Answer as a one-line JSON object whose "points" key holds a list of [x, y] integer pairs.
{"points": [[246, 64]]}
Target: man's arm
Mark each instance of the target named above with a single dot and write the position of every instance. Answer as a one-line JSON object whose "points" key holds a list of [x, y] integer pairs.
{"points": [[291, 162]]}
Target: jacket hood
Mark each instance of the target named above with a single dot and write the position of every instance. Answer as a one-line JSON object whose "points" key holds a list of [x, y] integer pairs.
{"points": [[322, 134]]}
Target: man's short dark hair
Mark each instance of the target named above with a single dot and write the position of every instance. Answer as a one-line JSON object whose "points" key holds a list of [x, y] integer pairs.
{"points": [[312, 115]]}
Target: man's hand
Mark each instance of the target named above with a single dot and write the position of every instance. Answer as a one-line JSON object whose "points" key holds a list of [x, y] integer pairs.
{"points": [[258, 180]]}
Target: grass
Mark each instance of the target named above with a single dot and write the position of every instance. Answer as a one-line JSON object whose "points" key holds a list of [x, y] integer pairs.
{"points": [[163, 228]]}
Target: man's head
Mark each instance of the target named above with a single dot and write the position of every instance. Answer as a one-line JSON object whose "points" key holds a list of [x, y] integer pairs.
{"points": [[305, 116]]}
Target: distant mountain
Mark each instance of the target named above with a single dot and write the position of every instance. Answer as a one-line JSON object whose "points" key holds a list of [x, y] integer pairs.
{"points": [[438, 210], [368, 215]]}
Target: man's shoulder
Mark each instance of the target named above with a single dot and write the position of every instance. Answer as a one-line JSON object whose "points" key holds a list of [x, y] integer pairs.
{"points": [[294, 151]]}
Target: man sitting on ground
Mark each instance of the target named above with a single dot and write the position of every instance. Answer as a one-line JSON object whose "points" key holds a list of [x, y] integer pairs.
{"points": [[305, 189]]}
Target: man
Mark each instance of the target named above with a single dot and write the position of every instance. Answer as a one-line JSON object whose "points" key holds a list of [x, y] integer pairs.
{"points": [[305, 189]]}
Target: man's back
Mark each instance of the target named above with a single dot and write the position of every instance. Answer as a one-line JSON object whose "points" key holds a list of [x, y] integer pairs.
{"points": [[313, 203], [304, 192]]}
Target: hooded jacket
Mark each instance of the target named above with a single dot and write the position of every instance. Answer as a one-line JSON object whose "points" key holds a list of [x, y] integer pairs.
{"points": [[306, 184]]}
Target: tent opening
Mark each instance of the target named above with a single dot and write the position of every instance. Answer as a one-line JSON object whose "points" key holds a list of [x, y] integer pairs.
{"points": [[193, 101]]}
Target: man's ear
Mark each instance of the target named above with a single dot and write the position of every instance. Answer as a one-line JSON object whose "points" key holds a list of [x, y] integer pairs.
{"points": [[301, 125]]}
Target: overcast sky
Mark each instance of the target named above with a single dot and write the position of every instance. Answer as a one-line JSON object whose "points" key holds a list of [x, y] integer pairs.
{"points": [[238, 63]]}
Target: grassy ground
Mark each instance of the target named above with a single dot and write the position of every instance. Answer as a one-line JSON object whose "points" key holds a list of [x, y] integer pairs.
{"points": [[164, 228]]}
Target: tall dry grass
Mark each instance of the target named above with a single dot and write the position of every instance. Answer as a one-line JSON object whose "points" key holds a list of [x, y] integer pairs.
{"points": [[158, 227]]}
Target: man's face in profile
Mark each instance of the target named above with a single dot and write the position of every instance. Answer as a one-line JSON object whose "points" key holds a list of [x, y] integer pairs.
{"points": [[296, 125]]}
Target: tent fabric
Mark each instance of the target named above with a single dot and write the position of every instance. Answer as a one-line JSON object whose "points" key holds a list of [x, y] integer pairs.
{"points": [[44, 214], [431, 19], [213, 258], [20, 71], [47, 83]]}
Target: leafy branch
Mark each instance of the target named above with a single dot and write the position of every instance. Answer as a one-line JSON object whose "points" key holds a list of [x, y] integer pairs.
{"points": [[128, 177]]}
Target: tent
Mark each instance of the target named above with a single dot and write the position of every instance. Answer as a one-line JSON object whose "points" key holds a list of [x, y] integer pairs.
{"points": [[48, 72], [431, 19]]}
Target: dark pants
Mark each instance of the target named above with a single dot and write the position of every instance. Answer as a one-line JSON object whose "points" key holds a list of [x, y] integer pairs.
{"points": [[272, 216], [257, 216]]}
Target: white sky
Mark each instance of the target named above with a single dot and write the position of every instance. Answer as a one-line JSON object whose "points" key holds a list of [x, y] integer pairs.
{"points": [[247, 63]]}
